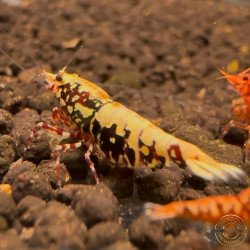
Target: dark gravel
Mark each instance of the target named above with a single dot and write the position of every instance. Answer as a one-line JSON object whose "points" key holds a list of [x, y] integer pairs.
{"points": [[146, 234], [104, 234], [160, 186], [6, 122], [28, 210], [31, 183], [56, 175], [97, 205], [17, 168], [8, 210], [57, 225], [7, 153], [10, 240], [183, 242]]}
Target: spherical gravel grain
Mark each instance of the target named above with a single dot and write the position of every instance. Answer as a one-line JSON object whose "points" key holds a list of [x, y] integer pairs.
{"points": [[57, 225], [7, 153], [147, 234], [6, 122], [120, 244], [160, 186], [188, 240], [8, 209], [95, 206], [105, 233], [28, 209], [31, 183], [17, 168], [11, 241], [56, 175]]}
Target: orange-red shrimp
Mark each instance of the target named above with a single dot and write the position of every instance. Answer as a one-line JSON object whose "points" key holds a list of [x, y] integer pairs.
{"points": [[240, 82], [241, 108], [209, 209]]}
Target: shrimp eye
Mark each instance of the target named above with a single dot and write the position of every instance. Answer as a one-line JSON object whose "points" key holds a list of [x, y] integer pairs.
{"points": [[245, 78], [58, 78]]}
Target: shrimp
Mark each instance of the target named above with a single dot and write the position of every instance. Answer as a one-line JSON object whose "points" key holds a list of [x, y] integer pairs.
{"points": [[209, 209], [240, 107], [122, 135]]}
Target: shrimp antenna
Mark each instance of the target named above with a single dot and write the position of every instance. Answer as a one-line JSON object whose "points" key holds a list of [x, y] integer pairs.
{"points": [[21, 67], [39, 66], [245, 71], [11, 59], [223, 73], [35, 62], [79, 46]]}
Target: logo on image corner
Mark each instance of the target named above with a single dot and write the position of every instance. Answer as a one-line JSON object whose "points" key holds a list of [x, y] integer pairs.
{"points": [[230, 230]]}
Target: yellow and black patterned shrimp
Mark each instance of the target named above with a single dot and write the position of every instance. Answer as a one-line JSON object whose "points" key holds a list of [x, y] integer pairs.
{"points": [[122, 135]]}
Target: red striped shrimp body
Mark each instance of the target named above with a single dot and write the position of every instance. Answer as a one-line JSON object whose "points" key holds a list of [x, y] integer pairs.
{"points": [[209, 209], [125, 137]]}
